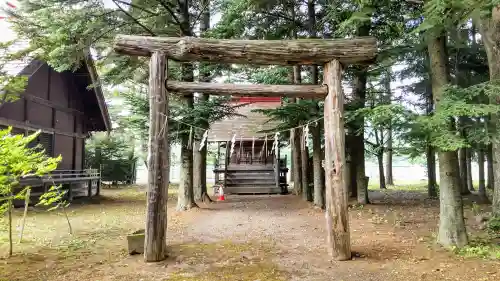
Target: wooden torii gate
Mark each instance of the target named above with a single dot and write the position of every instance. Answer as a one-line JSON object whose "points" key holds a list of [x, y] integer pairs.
{"points": [[330, 53]]}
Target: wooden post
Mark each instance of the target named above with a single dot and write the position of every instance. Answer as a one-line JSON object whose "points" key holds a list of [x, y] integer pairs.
{"points": [[89, 189], [227, 160], [241, 149], [278, 151], [217, 163], [253, 150], [70, 192], [99, 182], [158, 162], [277, 165], [265, 152], [337, 216]]}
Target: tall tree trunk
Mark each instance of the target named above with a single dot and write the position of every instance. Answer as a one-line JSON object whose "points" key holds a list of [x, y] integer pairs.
{"points": [[295, 133], [430, 150], [468, 155], [200, 173], [431, 172], [482, 181], [380, 159], [358, 141], [319, 188], [297, 155], [297, 164], [185, 199], [351, 171], [489, 167], [452, 230], [389, 180], [307, 190], [462, 158], [200, 158], [490, 33], [293, 144], [462, 155], [316, 130]]}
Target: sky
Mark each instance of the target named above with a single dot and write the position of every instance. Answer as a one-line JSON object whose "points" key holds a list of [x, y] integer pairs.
{"points": [[5, 33]]}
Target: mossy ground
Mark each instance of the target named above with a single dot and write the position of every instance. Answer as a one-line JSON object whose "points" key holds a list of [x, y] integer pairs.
{"points": [[226, 261]]}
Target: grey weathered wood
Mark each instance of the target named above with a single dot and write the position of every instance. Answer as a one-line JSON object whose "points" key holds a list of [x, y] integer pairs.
{"points": [[308, 91], [277, 166], [226, 162], [271, 189], [482, 182], [253, 150], [217, 176], [304, 167], [295, 140], [158, 162], [267, 52], [135, 242], [337, 216]]}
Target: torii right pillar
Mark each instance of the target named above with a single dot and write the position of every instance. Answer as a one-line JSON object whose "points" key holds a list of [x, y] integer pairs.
{"points": [[337, 212]]}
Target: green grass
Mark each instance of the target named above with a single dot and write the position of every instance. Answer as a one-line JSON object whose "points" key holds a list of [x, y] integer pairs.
{"points": [[485, 248], [401, 185]]}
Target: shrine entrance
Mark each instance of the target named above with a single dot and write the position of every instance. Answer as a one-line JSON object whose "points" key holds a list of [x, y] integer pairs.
{"points": [[332, 54]]}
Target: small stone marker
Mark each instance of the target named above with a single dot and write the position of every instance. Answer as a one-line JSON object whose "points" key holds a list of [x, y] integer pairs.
{"points": [[136, 242]]}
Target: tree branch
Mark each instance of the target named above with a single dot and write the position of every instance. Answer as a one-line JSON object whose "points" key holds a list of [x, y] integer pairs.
{"points": [[134, 19], [137, 7], [205, 6], [297, 23], [170, 11]]}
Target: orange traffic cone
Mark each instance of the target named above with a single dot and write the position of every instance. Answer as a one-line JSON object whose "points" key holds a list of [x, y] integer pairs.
{"points": [[221, 194]]}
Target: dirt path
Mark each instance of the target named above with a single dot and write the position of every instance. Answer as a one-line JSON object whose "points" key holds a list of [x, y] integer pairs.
{"points": [[391, 241], [266, 238]]}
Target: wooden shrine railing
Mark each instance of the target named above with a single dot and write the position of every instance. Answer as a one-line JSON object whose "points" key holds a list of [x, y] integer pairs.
{"points": [[66, 178], [63, 176]]}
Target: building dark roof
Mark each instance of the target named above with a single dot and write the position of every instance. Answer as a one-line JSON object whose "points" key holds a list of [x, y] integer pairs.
{"points": [[86, 75], [28, 65]]}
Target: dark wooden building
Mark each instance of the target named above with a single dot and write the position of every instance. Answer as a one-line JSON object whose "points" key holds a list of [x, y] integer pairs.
{"points": [[66, 109], [254, 167]]}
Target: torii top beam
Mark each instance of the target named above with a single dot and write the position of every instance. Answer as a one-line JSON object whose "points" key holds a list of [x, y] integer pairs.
{"points": [[359, 50]]}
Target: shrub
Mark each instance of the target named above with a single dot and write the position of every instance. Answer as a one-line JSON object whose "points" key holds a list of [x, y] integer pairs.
{"points": [[17, 161]]}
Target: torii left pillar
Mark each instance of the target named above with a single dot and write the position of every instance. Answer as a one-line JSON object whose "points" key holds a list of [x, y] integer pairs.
{"points": [[155, 245]]}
